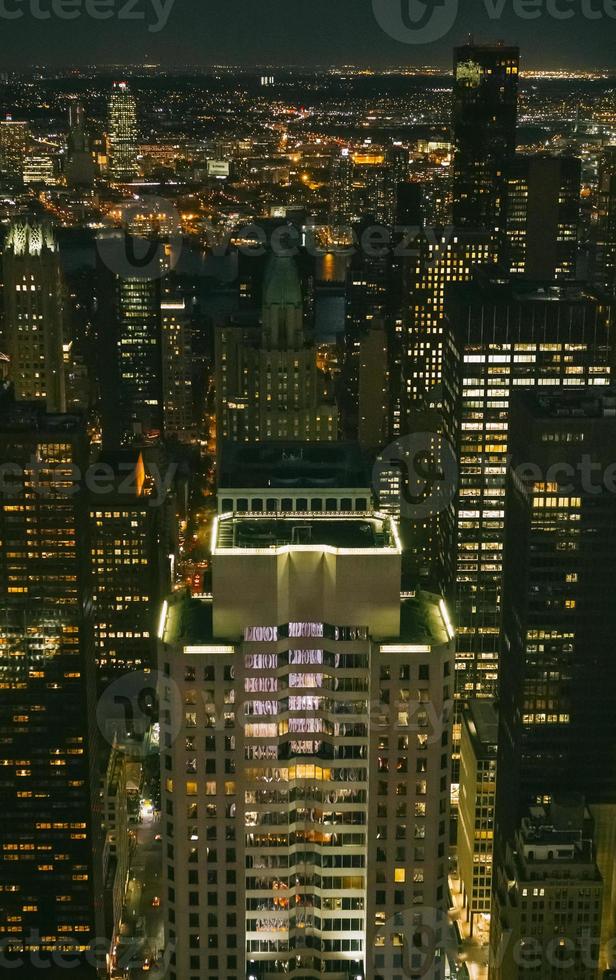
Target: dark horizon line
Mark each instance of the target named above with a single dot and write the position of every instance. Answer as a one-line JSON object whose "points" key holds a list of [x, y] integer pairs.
{"points": [[246, 67]]}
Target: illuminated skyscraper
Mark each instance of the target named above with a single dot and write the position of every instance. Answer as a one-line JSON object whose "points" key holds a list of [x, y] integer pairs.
{"points": [[442, 256], [178, 416], [501, 335], [341, 189], [268, 385], [605, 248], [306, 748], [50, 892], [130, 545], [557, 721], [122, 136], [484, 132], [14, 140], [543, 213], [34, 305]]}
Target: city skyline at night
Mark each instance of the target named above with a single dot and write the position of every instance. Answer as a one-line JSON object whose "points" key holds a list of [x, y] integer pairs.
{"points": [[307, 490]]}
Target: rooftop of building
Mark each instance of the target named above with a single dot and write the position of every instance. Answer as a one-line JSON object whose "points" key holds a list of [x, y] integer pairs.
{"points": [[359, 533], [490, 284], [424, 620], [557, 834], [187, 620], [293, 465], [482, 722], [33, 416], [569, 405]]}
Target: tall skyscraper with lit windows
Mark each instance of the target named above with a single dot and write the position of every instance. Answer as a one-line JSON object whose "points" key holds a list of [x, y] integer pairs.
{"points": [[500, 335], [268, 384], [50, 892], [605, 244], [543, 213], [305, 738], [122, 133], [485, 101], [34, 311], [14, 141], [557, 724]]}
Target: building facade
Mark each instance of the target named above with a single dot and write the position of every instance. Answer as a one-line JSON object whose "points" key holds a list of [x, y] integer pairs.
{"points": [[543, 214], [122, 133], [557, 728], [34, 312], [305, 752], [485, 104], [548, 896], [503, 335], [268, 385], [50, 851], [478, 764]]}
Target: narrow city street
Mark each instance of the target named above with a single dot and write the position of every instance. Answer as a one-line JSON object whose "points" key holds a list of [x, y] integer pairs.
{"points": [[142, 928], [473, 954]]}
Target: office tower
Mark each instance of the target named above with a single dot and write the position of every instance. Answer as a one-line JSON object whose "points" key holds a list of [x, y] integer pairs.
{"points": [[80, 161], [369, 300], [485, 98], [14, 140], [122, 135], [557, 722], [548, 895], [130, 350], [50, 849], [341, 188], [306, 791], [268, 385], [542, 216], [178, 414], [441, 256], [34, 310], [605, 245], [438, 257], [41, 169], [478, 751], [501, 335], [130, 547], [292, 477]]}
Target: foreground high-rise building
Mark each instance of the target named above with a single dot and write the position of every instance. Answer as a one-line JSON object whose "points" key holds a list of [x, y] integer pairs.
{"points": [[306, 746], [50, 890], [502, 335], [122, 134], [543, 213], [34, 305], [557, 721], [268, 385], [484, 132]]}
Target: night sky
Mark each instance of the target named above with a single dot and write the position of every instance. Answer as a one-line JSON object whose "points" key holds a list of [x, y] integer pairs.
{"points": [[301, 32]]}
